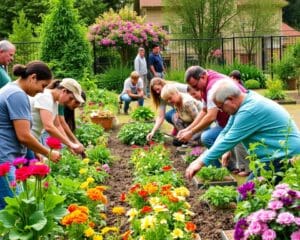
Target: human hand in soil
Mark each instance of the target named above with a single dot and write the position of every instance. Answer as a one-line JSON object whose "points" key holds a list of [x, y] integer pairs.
{"points": [[185, 135], [225, 159], [150, 136], [193, 168]]}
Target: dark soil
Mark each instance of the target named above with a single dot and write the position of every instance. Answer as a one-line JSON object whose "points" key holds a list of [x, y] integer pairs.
{"points": [[209, 222]]}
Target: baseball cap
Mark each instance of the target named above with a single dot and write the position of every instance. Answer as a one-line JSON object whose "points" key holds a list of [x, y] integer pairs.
{"points": [[73, 86]]}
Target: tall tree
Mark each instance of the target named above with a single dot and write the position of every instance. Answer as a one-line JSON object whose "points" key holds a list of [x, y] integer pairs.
{"points": [[291, 13], [64, 44], [200, 19], [257, 18]]}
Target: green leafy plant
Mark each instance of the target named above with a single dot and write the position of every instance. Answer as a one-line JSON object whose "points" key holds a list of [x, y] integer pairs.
{"points": [[212, 173], [252, 84], [99, 154], [142, 114], [176, 75], [136, 134], [275, 89], [89, 133], [292, 175], [220, 197]]}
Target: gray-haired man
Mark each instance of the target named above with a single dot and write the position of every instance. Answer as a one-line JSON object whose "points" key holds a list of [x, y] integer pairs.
{"points": [[140, 65], [7, 52]]}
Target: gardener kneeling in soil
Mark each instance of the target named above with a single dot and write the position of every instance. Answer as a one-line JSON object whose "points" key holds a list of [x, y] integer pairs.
{"points": [[253, 119]]}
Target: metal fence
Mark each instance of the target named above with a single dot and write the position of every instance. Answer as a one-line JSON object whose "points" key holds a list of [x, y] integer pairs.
{"points": [[181, 53]]}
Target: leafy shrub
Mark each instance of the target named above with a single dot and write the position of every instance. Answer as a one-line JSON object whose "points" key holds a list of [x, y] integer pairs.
{"points": [[275, 89], [142, 114], [247, 71], [99, 154], [89, 133], [212, 173], [107, 99], [220, 197], [63, 42], [136, 134], [252, 84], [113, 78]]}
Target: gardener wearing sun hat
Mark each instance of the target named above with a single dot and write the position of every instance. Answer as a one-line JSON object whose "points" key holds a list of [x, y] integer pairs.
{"points": [[44, 111]]}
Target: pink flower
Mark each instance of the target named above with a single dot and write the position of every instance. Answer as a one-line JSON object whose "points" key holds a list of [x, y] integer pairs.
{"points": [[40, 170], [282, 186], [295, 235], [46, 184], [279, 193], [13, 184], [4, 168], [269, 235], [106, 168], [23, 173], [54, 143], [254, 228], [19, 161], [297, 220], [266, 215], [275, 205], [285, 218]]}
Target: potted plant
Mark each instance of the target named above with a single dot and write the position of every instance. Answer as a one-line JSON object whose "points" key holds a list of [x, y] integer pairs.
{"points": [[211, 175], [103, 118]]}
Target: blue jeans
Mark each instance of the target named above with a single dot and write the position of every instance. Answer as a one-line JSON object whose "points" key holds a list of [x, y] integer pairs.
{"points": [[209, 136], [125, 97], [5, 190], [169, 116]]}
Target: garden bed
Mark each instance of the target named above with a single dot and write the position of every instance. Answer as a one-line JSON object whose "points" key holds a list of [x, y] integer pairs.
{"points": [[228, 181], [209, 222]]}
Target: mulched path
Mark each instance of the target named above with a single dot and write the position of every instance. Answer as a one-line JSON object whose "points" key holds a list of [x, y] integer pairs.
{"points": [[209, 222]]}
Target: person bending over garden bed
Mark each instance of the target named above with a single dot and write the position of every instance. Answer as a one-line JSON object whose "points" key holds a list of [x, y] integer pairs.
{"points": [[254, 120], [156, 86]]}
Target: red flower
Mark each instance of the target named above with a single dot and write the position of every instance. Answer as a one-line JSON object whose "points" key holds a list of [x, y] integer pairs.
{"points": [[4, 168], [151, 143], [23, 173], [190, 226], [134, 188], [46, 184], [40, 170], [146, 209], [53, 143], [123, 197], [143, 193], [134, 146], [166, 168]]}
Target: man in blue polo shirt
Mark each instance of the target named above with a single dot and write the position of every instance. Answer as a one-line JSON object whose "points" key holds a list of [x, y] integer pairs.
{"points": [[7, 51], [156, 62], [253, 119]]}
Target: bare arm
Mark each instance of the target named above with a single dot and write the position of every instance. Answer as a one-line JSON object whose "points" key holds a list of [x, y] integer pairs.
{"points": [[153, 70], [130, 94], [158, 122], [207, 119], [22, 129], [67, 129]]}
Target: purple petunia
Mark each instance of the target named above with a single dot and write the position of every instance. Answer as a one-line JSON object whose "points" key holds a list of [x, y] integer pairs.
{"points": [[275, 205], [246, 189], [269, 235], [239, 228], [285, 218]]}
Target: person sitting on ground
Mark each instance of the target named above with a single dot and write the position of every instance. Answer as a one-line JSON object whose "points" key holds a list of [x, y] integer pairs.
{"points": [[44, 110], [15, 119], [186, 107], [156, 85], [132, 91], [253, 119], [236, 76]]}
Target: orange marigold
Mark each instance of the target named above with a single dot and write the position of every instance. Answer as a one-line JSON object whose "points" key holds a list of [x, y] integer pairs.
{"points": [[146, 209], [189, 226], [151, 188], [134, 188], [166, 168], [96, 195], [143, 193], [74, 217], [123, 197], [72, 207], [172, 198], [125, 236]]}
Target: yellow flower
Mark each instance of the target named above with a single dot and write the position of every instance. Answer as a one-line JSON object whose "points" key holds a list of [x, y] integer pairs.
{"points": [[132, 213], [178, 216], [154, 201], [187, 205], [84, 185], [188, 212], [177, 233], [89, 232], [97, 237], [148, 222], [90, 180], [163, 221], [83, 170], [109, 229], [182, 191], [142, 238], [159, 208], [150, 188], [118, 210], [86, 160], [103, 216]]}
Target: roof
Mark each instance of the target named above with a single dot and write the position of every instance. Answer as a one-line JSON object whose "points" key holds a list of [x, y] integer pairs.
{"points": [[286, 30], [150, 3]]}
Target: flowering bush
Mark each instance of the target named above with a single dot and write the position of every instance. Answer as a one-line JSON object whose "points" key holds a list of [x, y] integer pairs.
{"points": [[114, 30], [36, 210], [279, 220], [193, 155]]}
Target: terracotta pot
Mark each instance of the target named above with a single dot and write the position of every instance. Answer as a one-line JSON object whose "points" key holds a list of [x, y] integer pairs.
{"points": [[105, 122], [291, 84]]}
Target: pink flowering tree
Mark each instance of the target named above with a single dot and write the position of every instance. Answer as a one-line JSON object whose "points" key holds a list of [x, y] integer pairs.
{"points": [[126, 31]]}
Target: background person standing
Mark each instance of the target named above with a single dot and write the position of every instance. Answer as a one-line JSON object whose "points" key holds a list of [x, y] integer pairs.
{"points": [[7, 52], [156, 62], [140, 66]]}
